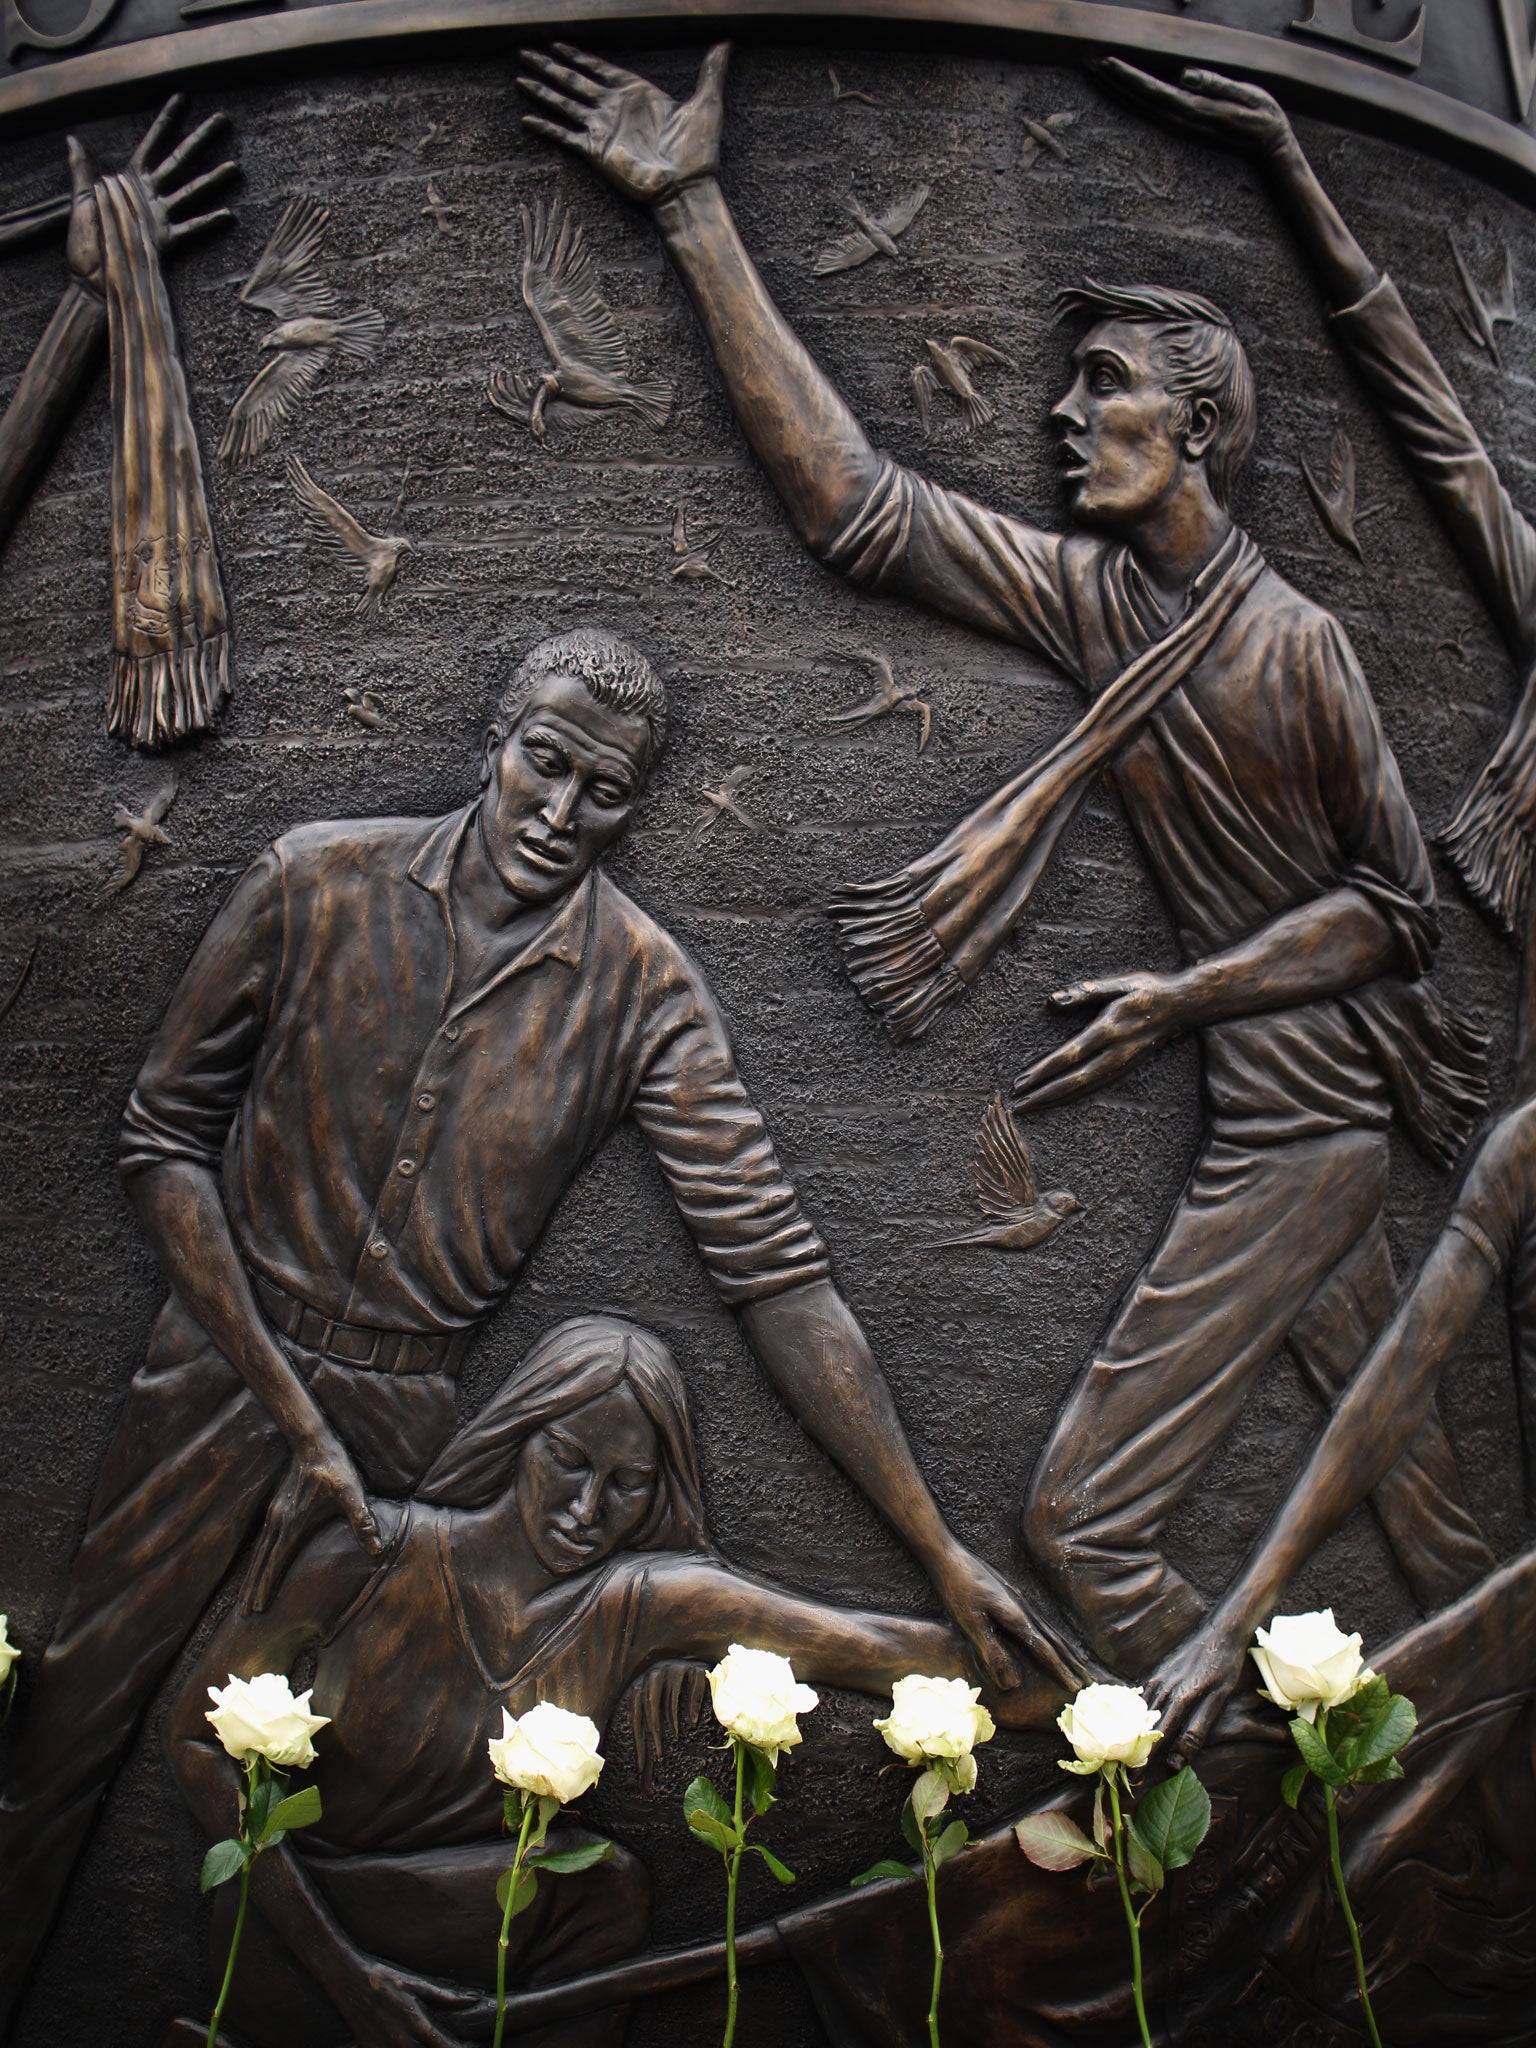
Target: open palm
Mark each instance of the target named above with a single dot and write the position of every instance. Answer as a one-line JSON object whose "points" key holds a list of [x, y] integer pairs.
{"points": [[644, 142]]}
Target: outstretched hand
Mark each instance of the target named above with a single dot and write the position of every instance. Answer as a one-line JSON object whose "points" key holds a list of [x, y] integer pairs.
{"points": [[1191, 1689], [1140, 1012], [999, 1626], [157, 180], [321, 1486], [648, 145], [1206, 104]]}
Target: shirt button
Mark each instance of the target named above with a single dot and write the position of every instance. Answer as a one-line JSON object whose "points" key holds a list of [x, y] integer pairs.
{"points": [[406, 1168], [450, 1032], [426, 1102], [378, 1249]]}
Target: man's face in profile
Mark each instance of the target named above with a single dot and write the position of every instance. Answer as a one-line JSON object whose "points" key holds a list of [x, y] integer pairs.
{"points": [[1121, 452], [560, 787]]}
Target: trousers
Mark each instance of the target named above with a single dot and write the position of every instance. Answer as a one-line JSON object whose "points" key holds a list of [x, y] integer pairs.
{"points": [[1269, 1246], [190, 1469]]}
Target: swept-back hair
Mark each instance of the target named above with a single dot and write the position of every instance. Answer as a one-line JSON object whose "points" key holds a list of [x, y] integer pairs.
{"points": [[614, 673], [1204, 356], [572, 1364]]}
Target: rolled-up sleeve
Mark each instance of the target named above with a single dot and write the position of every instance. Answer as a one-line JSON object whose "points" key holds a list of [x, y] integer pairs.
{"points": [[1445, 452], [718, 1159], [983, 568], [191, 1084]]}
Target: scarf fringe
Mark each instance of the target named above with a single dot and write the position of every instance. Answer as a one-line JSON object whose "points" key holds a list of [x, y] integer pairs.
{"points": [[156, 699], [1435, 1061], [892, 956], [1489, 844]]}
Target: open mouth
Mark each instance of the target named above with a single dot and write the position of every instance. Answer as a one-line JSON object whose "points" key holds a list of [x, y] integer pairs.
{"points": [[571, 1543], [1074, 462], [547, 855]]}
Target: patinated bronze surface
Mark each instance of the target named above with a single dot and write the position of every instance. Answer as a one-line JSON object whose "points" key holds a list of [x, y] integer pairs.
{"points": [[954, 1097]]}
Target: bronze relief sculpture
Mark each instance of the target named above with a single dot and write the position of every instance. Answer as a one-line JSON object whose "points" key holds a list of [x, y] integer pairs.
{"points": [[443, 1411]]}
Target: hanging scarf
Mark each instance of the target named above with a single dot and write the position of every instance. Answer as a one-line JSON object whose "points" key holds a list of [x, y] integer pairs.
{"points": [[170, 631], [914, 942]]}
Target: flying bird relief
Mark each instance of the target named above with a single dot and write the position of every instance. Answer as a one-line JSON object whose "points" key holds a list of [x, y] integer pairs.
{"points": [[1018, 1215], [438, 208], [364, 708], [1043, 139], [1482, 316], [723, 803], [872, 236], [949, 368], [332, 527], [691, 562], [588, 353], [141, 830], [309, 333], [890, 696], [848, 92], [1335, 498]]}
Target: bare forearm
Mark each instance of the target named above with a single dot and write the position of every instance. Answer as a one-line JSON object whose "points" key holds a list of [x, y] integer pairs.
{"points": [[181, 1209], [814, 450], [1324, 948], [45, 398], [1344, 270], [816, 1356]]}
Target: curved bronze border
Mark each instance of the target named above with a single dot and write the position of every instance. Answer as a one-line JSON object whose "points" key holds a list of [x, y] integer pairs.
{"points": [[1315, 78]]}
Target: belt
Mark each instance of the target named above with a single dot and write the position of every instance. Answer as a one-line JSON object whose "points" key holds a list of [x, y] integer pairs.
{"points": [[391, 1351]]}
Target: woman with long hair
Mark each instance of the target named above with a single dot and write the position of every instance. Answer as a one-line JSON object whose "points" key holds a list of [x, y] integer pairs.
{"points": [[556, 1550]]}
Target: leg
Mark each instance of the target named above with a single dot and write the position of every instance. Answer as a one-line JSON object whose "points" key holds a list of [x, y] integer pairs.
{"points": [[1254, 1233], [190, 1466], [1420, 1502]]}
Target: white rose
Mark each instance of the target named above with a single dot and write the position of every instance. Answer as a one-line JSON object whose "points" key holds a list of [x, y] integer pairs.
{"points": [[756, 1698], [938, 1720], [1109, 1724], [1308, 1662], [547, 1752], [8, 1652], [260, 1717]]}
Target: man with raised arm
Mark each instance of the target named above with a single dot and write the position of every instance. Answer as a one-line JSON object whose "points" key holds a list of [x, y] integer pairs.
{"points": [[387, 1060], [1233, 720]]}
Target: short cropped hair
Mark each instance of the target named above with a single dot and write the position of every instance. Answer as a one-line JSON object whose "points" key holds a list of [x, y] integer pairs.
{"points": [[1204, 356], [613, 671]]}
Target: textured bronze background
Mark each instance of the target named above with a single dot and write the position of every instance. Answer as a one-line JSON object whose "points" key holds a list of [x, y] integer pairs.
{"points": [[513, 541]]}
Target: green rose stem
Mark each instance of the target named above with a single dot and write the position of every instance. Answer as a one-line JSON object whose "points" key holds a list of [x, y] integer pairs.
{"points": [[253, 1774], [1336, 1861], [931, 1874], [733, 1872], [1131, 1919], [514, 1879]]}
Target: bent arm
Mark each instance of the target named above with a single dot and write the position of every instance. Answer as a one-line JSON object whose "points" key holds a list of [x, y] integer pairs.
{"points": [[1327, 947], [45, 399]]}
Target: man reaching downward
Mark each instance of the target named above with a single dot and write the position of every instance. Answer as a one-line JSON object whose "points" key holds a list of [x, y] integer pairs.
{"points": [[1232, 718]]}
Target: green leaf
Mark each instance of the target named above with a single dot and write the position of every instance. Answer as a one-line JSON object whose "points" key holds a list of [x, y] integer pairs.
{"points": [[930, 1795], [549, 1806], [950, 1843], [1171, 1821], [701, 1797], [268, 1793], [1054, 1842], [562, 1861], [298, 1810], [1383, 1738], [760, 1775], [223, 1861], [715, 1834], [1146, 1869], [1291, 1784], [1379, 1774], [910, 1828], [886, 1867], [1100, 1817], [780, 1870], [1316, 1754], [527, 1886]]}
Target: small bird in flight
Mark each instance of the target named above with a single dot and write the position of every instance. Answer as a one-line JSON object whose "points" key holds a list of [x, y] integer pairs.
{"points": [[1044, 137], [332, 527], [1019, 1216], [848, 92], [438, 207], [365, 707], [590, 357], [1335, 500], [693, 564], [309, 332], [1486, 315], [873, 236], [437, 131], [949, 368], [722, 803], [891, 696], [140, 832]]}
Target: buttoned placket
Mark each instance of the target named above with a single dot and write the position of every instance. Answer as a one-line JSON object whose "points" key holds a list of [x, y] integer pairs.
{"points": [[446, 1049]]}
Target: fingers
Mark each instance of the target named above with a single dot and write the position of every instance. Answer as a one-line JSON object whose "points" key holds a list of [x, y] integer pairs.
{"points": [[80, 175], [1076, 993], [547, 96], [605, 73], [281, 1533], [184, 194], [183, 230], [156, 130], [570, 81], [1001, 1665], [1215, 85], [576, 139], [712, 72], [163, 174]]}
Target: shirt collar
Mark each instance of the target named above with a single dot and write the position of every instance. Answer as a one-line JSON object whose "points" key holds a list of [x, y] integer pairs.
{"points": [[563, 936]]}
